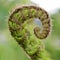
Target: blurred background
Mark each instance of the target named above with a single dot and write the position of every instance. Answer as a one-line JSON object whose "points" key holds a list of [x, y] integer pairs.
{"points": [[9, 48]]}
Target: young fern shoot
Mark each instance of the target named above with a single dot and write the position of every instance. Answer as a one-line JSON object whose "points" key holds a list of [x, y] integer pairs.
{"points": [[29, 25]]}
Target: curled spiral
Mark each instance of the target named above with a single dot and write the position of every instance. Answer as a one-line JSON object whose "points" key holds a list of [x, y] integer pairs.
{"points": [[25, 30]]}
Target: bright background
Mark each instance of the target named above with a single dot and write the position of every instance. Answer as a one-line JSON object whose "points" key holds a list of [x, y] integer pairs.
{"points": [[9, 48], [48, 5]]}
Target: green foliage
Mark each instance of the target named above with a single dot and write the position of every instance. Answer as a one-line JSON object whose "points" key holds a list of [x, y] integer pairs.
{"points": [[56, 23]]}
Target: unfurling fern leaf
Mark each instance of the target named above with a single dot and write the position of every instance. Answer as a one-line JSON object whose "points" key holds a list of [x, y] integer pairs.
{"points": [[29, 25]]}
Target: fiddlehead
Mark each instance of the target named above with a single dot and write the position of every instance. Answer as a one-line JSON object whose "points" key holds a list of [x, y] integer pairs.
{"points": [[23, 27]]}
